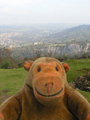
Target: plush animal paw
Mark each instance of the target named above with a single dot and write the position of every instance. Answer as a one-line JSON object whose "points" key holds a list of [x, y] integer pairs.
{"points": [[1, 116], [88, 117]]}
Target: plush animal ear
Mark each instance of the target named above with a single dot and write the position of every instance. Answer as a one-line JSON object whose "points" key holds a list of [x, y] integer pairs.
{"points": [[66, 67], [27, 64]]}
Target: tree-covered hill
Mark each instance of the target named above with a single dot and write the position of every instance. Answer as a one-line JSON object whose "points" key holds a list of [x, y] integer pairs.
{"points": [[78, 33]]}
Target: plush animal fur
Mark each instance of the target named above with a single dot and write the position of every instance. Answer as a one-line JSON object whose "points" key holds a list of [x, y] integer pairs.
{"points": [[46, 95]]}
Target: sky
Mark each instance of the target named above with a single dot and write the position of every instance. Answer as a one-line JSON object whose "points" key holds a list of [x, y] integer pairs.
{"points": [[44, 11]]}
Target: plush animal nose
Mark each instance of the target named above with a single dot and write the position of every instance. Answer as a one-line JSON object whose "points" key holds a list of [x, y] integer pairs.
{"points": [[49, 83], [49, 86]]}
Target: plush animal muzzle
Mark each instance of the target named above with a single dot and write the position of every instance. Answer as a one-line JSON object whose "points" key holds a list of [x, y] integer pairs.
{"points": [[48, 89]]}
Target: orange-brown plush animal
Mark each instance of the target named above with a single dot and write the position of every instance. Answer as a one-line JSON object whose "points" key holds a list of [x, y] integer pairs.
{"points": [[46, 95]]}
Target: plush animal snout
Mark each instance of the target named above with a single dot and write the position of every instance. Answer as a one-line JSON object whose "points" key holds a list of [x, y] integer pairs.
{"points": [[49, 86]]}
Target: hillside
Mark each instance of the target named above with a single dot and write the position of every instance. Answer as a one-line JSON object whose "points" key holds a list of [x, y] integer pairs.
{"points": [[18, 36], [25, 41], [78, 33], [70, 50]]}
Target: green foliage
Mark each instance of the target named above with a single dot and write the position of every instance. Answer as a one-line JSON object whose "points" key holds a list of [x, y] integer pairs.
{"points": [[6, 59], [20, 65], [5, 64], [64, 56], [80, 33]]}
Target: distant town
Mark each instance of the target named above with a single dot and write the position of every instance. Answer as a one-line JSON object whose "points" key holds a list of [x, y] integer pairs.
{"points": [[18, 36], [6, 40]]}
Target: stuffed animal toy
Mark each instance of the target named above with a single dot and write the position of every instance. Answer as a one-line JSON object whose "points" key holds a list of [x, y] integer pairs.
{"points": [[46, 95]]}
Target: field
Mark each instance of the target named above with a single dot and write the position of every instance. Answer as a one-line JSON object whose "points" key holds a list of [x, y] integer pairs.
{"points": [[11, 80], [78, 67]]}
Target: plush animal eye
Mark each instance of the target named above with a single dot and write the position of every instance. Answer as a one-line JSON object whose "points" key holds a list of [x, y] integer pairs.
{"points": [[39, 69], [57, 69]]}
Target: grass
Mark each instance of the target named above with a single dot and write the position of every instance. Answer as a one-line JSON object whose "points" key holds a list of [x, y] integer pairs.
{"points": [[86, 95], [12, 80], [78, 67]]}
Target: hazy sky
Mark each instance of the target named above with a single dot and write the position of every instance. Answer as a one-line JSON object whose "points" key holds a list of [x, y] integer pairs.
{"points": [[44, 11]]}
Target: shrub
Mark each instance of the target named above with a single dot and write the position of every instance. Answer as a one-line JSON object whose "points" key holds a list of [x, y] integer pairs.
{"points": [[5, 64]]}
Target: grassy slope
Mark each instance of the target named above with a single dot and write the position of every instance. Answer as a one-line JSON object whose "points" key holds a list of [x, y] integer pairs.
{"points": [[11, 80], [78, 67]]}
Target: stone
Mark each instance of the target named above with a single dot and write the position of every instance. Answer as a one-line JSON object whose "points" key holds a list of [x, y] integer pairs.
{"points": [[83, 82]]}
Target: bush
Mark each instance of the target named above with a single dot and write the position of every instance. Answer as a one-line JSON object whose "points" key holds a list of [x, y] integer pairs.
{"points": [[5, 64], [65, 57]]}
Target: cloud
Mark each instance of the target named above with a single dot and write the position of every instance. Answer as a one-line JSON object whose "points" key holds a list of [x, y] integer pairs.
{"points": [[42, 11], [18, 1], [5, 10], [15, 1]]}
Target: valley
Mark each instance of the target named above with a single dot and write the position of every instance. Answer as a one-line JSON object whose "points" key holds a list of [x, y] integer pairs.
{"points": [[55, 40]]}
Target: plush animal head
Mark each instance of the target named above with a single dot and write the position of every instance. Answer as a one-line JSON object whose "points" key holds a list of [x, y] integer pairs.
{"points": [[47, 77]]}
